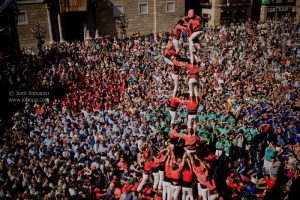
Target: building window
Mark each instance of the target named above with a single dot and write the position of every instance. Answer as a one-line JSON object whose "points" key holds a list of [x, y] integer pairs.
{"points": [[143, 8], [22, 17], [118, 10], [170, 6]]}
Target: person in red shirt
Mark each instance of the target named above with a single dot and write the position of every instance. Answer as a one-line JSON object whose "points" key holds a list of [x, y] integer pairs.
{"points": [[174, 103], [190, 141], [158, 196], [193, 71], [192, 106], [161, 169], [201, 171], [193, 22], [148, 167], [176, 176], [187, 180], [170, 52], [177, 33], [158, 160], [167, 180], [212, 189], [169, 55]]}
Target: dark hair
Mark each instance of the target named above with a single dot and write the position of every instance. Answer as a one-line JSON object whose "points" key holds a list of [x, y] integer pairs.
{"points": [[180, 22], [175, 166]]}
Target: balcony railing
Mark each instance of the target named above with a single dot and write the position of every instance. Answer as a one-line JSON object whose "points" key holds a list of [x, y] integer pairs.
{"points": [[234, 2], [205, 2]]}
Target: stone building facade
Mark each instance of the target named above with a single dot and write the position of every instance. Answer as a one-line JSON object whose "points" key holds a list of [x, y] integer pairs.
{"points": [[216, 12], [69, 20], [30, 13], [144, 16]]}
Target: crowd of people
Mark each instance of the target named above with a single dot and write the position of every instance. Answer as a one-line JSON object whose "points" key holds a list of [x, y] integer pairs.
{"points": [[211, 116]]}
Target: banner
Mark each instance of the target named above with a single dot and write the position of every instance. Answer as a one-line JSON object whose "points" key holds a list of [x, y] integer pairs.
{"points": [[283, 8], [265, 2], [72, 5], [272, 9]]}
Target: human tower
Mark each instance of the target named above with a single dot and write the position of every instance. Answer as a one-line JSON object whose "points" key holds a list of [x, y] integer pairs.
{"points": [[174, 167]]}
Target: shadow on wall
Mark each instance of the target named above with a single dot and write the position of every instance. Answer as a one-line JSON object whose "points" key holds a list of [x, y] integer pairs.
{"points": [[105, 19]]}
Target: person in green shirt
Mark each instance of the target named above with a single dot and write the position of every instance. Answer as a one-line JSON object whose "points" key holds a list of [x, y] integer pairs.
{"points": [[227, 148], [219, 147], [269, 153]]}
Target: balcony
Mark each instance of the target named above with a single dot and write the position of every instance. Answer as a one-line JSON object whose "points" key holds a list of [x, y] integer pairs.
{"points": [[226, 3], [205, 3]]}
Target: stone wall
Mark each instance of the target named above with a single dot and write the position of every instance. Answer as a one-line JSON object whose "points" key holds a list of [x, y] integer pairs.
{"points": [[143, 23], [166, 21], [36, 13]]}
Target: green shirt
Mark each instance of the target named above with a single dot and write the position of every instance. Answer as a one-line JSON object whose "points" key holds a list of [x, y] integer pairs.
{"points": [[269, 153], [219, 145]]}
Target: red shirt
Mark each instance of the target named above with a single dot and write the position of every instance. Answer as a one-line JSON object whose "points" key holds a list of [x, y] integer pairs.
{"points": [[173, 134], [193, 70], [211, 185], [201, 174], [169, 53], [174, 102], [192, 105], [187, 175], [148, 166], [168, 171], [135, 187], [176, 174], [122, 165], [157, 197], [189, 139], [270, 183], [194, 22], [177, 32]]}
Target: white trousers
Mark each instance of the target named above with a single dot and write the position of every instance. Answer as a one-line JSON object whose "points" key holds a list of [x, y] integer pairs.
{"points": [[202, 192], [191, 38], [188, 152], [190, 119], [175, 190], [175, 78], [173, 116], [218, 152], [176, 45], [161, 179], [193, 86], [168, 61], [187, 193], [267, 166], [166, 190], [213, 197], [156, 179], [144, 180]]}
